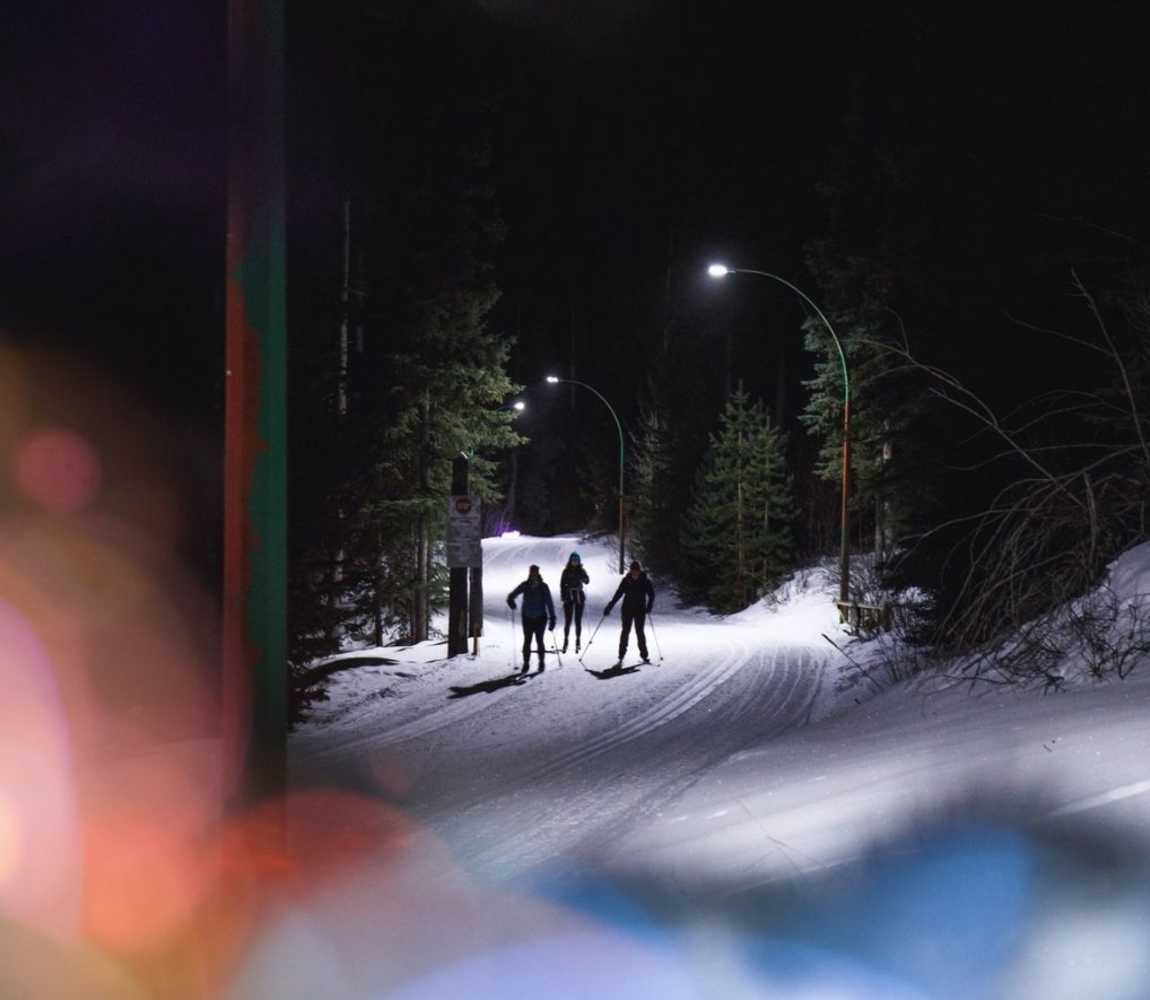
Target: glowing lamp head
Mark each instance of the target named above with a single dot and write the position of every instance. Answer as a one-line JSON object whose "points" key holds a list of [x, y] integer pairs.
{"points": [[718, 270], [552, 379], [519, 406]]}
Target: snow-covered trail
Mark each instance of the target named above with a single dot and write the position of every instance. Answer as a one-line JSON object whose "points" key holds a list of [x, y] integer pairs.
{"points": [[520, 775]]}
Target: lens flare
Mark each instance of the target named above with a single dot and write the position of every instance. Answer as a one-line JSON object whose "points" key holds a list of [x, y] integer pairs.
{"points": [[58, 469]]}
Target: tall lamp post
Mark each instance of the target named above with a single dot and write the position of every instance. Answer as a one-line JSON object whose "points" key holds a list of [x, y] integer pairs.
{"points": [[721, 271], [555, 380]]}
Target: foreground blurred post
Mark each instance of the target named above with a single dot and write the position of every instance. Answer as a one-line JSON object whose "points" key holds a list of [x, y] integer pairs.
{"points": [[255, 466]]}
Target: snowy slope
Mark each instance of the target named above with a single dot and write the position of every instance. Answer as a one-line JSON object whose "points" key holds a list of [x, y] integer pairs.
{"points": [[817, 797], [722, 824], [573, 755]]}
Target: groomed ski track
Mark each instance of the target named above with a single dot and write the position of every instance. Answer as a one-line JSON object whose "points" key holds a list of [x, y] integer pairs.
{"points": [[555, 770]]}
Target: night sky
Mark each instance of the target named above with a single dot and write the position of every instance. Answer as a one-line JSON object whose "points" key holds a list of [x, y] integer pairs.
{"points": [[632, 143]]}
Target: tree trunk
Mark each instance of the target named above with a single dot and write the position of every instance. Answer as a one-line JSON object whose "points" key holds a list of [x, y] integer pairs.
{"points": [[740, 578], [377, 592], [878, 529], [766, 540], [421, 629]]}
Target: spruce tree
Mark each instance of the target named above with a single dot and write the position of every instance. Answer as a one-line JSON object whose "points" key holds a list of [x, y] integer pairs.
{"points": [[887, 399], [737, 531], [427, 376], [653, 515]]}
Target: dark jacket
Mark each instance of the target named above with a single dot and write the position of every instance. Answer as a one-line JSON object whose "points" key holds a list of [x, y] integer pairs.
{"points": [[571, 583], [536, 599], [638, 595]]}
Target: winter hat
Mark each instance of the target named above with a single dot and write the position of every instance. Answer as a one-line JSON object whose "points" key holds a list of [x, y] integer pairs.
{"points": [[574, 557], [533, 570], [635, 565]]}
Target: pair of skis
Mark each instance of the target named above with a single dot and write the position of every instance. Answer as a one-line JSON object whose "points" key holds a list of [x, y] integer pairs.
{"points": [[619, 663], [554, 644]]}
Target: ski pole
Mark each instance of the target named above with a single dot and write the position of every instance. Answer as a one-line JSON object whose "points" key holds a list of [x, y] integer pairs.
{"points": [[587, 648], [655, 635], [555, 647], [514, 638]]}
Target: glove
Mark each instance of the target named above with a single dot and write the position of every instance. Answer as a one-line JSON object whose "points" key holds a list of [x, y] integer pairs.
{"points": [[551, 625], [511, 604], [606, 611]]}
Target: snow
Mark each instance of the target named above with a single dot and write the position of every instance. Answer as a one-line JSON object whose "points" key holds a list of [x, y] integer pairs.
{"points": [[762, 832]]}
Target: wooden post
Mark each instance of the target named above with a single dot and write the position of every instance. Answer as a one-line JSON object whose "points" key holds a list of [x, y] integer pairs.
{"points": [[475, 608], [457, 599]]}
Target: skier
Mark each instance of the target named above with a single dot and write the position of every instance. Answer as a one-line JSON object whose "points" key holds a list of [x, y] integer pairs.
{"points": [[537, 612], [573, 598], [638, 599]]}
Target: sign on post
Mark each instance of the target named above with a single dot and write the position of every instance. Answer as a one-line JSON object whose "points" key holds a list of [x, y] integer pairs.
{"points": [[464, 533]]}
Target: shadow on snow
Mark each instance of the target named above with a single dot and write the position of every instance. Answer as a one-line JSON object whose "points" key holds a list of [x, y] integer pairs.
{"points": [[606, 675], [486, 687]]}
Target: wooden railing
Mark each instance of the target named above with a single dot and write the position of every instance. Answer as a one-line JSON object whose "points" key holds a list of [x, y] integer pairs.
{"points": [[866, 617]]}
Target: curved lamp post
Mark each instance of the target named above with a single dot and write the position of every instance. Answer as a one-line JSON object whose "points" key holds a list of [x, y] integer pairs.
{"points": [[555, 380], [721, 271]]}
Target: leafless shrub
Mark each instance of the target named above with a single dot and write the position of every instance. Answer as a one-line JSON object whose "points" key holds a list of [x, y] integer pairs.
{"points": [[1044, 541], [1100, 634]]}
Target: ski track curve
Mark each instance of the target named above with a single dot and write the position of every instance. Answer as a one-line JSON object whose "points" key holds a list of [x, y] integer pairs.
{"points": [[453, 712], [779, 693], [575, 797]]}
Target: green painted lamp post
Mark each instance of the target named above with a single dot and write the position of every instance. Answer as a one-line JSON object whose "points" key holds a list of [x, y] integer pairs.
{"points": [[721, 271], [555, 380]]}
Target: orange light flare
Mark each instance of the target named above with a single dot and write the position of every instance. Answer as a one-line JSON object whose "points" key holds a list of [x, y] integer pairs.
{"points": [[58, 468], [114, 832], [111, 759], [40, 841]]}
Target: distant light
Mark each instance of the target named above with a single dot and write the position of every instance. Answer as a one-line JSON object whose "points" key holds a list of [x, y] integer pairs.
{"points": [[519, 405], [510, 534], [552, 378], [718, 270]]}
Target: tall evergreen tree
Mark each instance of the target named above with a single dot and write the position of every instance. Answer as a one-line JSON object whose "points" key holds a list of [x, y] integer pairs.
{"points": [[427, 376], [653, 514], [887, 399], [737, 532]]}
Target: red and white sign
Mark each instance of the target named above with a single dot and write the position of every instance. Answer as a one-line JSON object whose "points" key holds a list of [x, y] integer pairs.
{"points": [[464, 533]]}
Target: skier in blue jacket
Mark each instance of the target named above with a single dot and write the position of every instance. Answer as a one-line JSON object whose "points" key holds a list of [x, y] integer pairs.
{"points": [[538, 610]]}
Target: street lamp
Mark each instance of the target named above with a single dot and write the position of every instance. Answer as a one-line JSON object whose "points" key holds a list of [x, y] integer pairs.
{"points": [[721, 271], [519, 406], [555, 380]]}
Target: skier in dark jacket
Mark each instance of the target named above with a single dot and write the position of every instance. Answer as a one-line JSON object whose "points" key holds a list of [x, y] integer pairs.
{"points": [[538, 610], [638, 599], [573, 598]]}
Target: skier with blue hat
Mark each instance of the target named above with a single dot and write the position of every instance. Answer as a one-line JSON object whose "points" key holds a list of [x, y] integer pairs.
{"points": [[571, 593]]}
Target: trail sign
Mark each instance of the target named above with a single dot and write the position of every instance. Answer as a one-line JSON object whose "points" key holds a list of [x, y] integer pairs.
{"points": [[464, 533]]}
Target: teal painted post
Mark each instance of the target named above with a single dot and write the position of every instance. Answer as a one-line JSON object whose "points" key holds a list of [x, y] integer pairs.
{"points": [[255, 450]]}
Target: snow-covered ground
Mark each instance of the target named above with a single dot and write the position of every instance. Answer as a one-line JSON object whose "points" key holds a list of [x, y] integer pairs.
{"points": [[722, 823], [517, 775]]}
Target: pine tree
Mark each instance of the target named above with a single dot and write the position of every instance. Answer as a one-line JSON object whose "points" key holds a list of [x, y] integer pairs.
{"points": [[427, 376], [887, 398], [654, 520], [737, 531]]}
